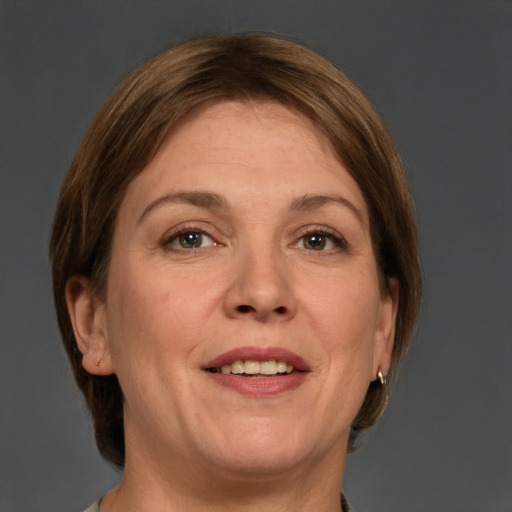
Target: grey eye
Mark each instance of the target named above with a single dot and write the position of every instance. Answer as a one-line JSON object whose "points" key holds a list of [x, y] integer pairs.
{"points": [[315, 241], [191, 240]]}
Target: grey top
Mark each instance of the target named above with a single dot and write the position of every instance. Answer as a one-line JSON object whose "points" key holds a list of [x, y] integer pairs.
{"points": [[94, 507]]}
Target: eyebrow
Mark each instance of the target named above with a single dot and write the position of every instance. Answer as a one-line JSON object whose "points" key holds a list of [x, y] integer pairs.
{"points": [[309, 202], [205, 200], [209, 200]]}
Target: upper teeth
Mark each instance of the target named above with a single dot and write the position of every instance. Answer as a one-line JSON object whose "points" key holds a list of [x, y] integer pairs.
{"points": [[250, 367]]}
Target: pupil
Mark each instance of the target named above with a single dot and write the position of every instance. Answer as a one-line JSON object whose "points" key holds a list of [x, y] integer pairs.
{"points": [[190, 240], [315, 242]]}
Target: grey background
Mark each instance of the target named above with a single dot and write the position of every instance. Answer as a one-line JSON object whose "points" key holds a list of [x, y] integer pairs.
{"points": [[439, 73]]}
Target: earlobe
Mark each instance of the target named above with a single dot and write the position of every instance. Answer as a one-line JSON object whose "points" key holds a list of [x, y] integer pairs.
{"points": [[88, 319], [385, 333]]}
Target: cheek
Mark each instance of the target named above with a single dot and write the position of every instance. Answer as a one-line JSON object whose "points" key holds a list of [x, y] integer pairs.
{"points": [[344, 317], [343, 320], [155, 311]]}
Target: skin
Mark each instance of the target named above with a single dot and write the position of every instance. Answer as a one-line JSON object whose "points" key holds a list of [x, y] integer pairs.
{"points": [[257, 279]]}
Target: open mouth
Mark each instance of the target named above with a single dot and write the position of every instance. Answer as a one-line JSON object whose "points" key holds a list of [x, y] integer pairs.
{"points": [[258, 372], [253, 368]]}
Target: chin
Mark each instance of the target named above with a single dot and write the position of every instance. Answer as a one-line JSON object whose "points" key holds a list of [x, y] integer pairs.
{"points": [[263, 448], [259, 465]]}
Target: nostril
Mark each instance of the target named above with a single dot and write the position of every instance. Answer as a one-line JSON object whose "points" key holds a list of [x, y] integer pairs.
{"points": [[244, 308]]}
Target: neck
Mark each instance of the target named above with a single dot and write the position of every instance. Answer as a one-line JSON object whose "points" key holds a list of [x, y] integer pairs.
{"points": [[187, 486]]}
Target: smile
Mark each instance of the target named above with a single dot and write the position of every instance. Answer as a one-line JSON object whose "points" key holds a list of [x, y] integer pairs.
{"points": [[258, 372], [252, 368]]}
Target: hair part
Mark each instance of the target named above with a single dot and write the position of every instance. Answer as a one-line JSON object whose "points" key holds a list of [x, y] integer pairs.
{"points": [[128, 131]]}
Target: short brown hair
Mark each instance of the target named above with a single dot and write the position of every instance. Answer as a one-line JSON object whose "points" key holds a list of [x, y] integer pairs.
{"points": [[129, 129]]}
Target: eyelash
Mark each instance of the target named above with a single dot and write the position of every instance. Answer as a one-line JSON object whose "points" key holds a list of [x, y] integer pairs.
{"points": [[170, 238]]}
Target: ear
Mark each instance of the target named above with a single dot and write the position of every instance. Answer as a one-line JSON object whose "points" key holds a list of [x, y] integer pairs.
{"points": [[385, 331], [88, 318]]}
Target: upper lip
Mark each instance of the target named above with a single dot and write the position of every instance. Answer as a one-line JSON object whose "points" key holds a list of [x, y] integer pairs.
{"points": [[258, 354]]}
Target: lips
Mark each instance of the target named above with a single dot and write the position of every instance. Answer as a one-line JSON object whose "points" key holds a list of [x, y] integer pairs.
{"points": [[258, 371]]}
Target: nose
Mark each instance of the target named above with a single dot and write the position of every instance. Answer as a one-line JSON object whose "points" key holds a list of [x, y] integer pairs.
{"points": [[261, 289]]}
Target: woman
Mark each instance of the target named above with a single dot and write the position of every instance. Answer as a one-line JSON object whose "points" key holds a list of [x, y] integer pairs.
{"points": [[236, 276]]}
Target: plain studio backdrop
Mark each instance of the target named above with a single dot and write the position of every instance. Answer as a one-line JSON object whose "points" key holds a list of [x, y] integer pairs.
{"points": [[440, 73]]}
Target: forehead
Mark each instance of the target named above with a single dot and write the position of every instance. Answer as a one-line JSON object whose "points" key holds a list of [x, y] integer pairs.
{"points": [[247, 147], [266, 114]]}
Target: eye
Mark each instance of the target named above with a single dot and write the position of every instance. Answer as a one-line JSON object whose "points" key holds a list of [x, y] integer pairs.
{"points": [[190, 240], [319, 240], [315, 241]]}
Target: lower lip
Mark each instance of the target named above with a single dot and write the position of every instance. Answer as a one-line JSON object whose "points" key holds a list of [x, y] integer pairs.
{"points": [[260, 386]]}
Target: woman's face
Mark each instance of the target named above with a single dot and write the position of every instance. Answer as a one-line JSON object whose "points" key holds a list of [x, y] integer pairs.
{"points": [[244, 246]]}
